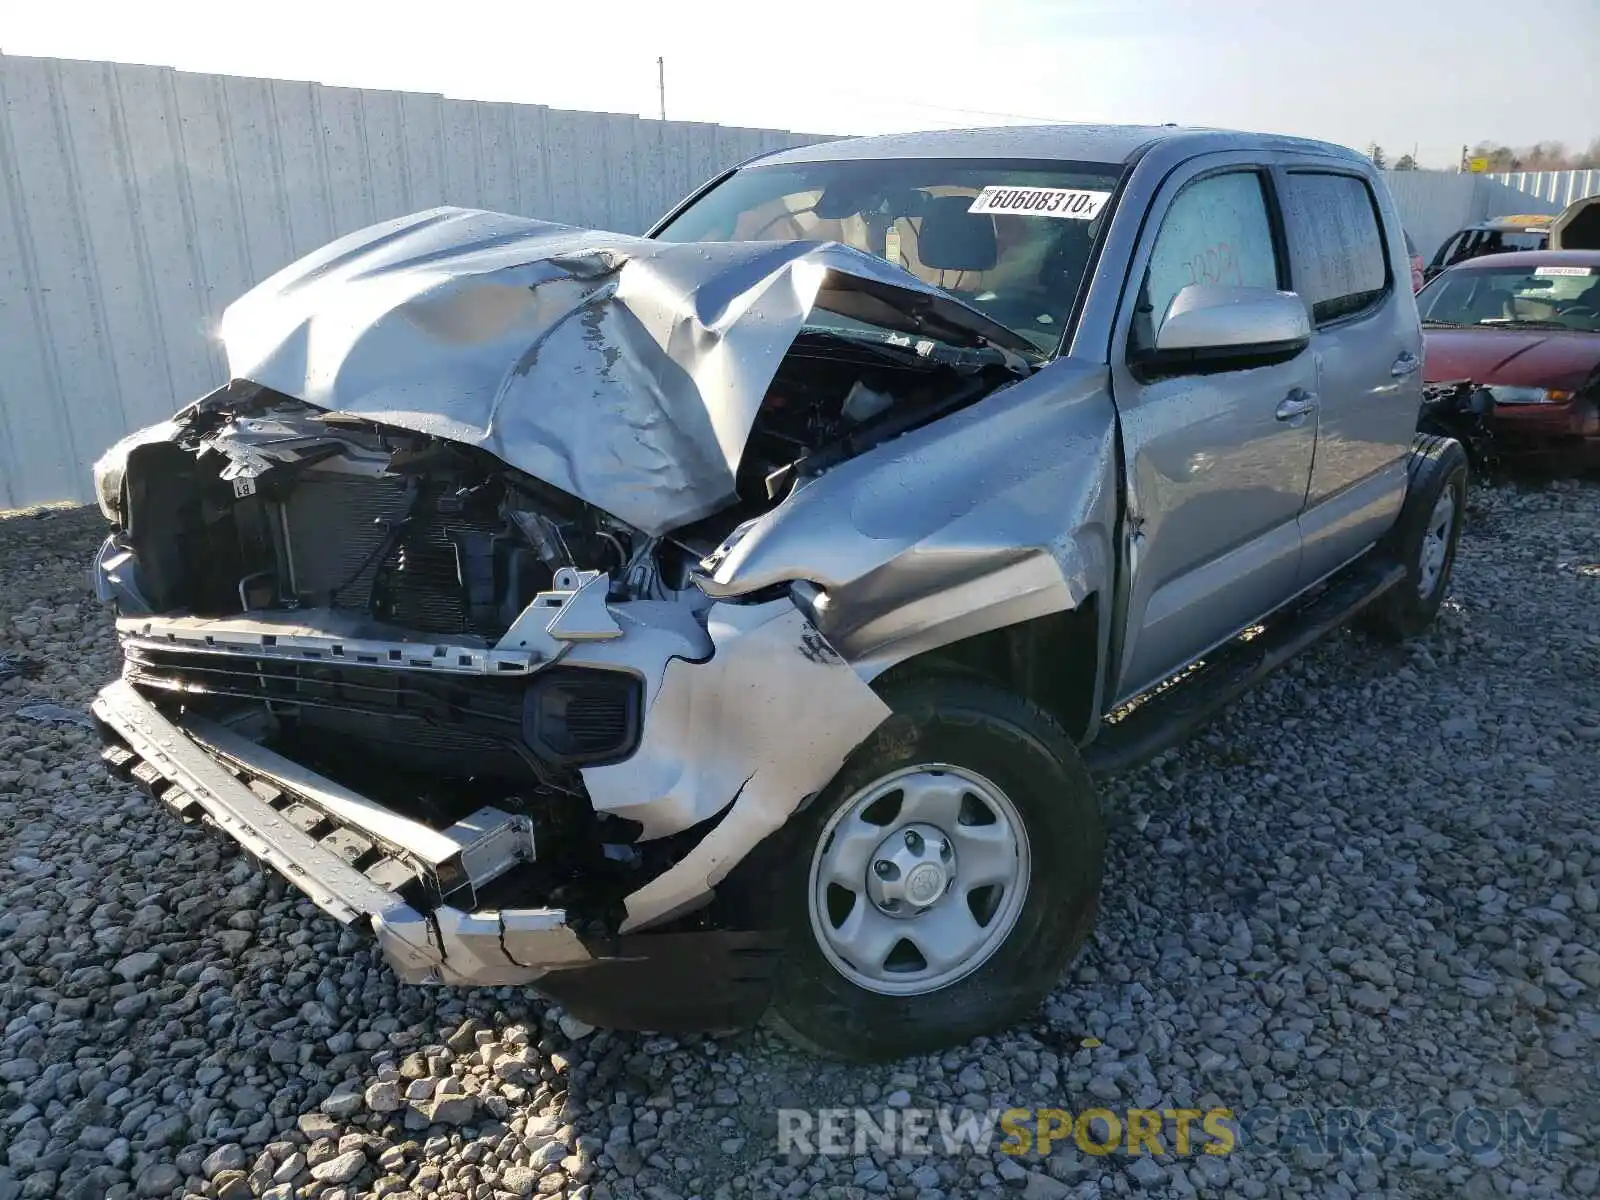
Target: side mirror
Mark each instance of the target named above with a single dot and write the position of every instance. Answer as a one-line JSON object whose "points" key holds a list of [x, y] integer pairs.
{"points": [[1213, 326]]}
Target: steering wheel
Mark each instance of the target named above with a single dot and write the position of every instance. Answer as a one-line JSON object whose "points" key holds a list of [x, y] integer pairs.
{"points": [[1581, 310]]}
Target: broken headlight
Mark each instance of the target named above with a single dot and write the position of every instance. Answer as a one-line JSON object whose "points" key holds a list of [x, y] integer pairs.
{"points": [[1504, 394]]}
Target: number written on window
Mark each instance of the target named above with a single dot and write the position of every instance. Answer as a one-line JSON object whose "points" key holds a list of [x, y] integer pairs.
{"points": [[1215, 232]]}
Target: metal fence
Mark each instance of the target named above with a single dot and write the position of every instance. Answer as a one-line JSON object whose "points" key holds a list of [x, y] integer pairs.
{"points": [[137, 202], [1560, 188], [1434, 204]]}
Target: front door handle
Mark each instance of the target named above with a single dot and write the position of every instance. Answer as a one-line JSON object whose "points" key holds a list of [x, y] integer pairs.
{"points": [[1296, 404], [1407, 364]]}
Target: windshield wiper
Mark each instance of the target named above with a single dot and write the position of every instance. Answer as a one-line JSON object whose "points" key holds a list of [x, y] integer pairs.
{"points": [[1444, 325], [921, 350], [1531, 323], [985, 355], [876, 344]]}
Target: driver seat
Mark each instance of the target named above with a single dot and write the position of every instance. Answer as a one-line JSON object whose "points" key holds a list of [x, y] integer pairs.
{"points": [[1488, 303], [948, 239]]}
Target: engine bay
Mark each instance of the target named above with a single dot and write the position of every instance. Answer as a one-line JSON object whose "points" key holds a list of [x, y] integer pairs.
{"points": [[263, 503]]}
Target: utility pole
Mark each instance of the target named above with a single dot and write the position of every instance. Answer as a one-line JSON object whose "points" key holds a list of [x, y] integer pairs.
{"points": [[661, 85]]}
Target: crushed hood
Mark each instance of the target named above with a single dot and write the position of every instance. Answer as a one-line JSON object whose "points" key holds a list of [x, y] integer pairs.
{"points": [[626, 372]]}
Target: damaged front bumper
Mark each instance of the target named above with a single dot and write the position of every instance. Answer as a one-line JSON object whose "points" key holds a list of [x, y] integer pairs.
{"points": [[734, 741], [669, 982], [236, 785]]}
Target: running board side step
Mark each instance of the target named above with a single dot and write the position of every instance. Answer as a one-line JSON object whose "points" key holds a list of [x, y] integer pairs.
{"points": [[1169, 714]]}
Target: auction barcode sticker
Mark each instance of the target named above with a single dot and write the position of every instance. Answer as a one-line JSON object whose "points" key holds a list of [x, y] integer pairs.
{"points": [[1075, 204], [1563, 270]]}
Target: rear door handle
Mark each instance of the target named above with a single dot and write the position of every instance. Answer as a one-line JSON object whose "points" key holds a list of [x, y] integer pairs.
{"points": [[1407, 364], [1296, 404]]}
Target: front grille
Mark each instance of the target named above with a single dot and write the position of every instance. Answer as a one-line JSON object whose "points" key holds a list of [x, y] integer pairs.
{"points": [[564, 716]]}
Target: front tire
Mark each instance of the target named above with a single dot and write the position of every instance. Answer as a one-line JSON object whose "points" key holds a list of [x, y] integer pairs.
{"points": [[939, 886], [1424, 538]]}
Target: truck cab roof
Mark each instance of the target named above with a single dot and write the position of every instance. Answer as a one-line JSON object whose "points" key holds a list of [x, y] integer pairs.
{"points": [[1059, 143]]}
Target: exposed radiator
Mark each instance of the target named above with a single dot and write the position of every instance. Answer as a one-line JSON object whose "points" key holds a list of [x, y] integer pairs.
{"points": [[337, 527]]}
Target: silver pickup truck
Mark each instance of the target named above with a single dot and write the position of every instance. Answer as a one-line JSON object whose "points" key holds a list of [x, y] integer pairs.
{"points": [[731, 619]]}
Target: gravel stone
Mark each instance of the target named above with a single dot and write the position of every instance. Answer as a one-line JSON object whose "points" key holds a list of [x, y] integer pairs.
{"points": [[1370, 883], [575, 1029], [341, 1168], [1369, 1000], [384, 1096], [519, 1181], [1147, 1173], [291, 1168], [230, 1157], [341, 1106], [135, 965], [159, 1179]]}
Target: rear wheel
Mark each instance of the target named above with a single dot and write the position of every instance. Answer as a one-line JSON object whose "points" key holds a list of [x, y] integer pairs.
{"points": [[939, 886], [1424, 538]]}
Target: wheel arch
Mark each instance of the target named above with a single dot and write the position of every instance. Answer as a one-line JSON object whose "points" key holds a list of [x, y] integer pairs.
{"points": [[1055, 661]]}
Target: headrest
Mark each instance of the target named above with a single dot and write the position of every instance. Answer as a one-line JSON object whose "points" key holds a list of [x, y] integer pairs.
{"points": [[953, 239]]}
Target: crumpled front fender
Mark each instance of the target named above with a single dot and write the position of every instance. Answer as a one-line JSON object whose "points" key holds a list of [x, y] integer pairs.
{"points": [[761, 725], [996, 514]]}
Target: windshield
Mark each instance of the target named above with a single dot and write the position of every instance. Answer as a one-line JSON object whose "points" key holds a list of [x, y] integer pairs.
{"points": [[1556, 297], [1011, 240]]}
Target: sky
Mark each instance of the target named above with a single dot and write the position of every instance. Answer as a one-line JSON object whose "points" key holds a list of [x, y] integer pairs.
{"points": [[1412, 75]]}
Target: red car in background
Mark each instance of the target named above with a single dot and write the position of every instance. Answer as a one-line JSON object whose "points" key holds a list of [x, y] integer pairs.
{"points": [[1513, 341]]}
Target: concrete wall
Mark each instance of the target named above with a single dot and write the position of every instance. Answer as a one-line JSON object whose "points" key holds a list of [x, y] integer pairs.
{"points": [[136, 202]]}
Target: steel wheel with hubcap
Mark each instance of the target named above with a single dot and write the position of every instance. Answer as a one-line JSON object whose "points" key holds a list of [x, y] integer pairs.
{"points": [[917, 879], [1436, 544], [942, 882], [1424, 538]]}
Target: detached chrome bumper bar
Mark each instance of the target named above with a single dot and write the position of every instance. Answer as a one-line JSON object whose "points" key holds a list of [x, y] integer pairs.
{"points": [[198, 766]]}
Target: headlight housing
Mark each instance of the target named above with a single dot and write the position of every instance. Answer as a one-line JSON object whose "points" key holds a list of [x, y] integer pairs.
{"points": [[108, 473], [1505, 394]]}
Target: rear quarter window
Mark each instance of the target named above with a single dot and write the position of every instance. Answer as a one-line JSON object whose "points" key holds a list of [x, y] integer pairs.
{"points": [[1340, 264]]}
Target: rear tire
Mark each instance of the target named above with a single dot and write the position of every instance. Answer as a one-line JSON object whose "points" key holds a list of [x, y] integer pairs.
{"points": [[1424, 538], [1014, 775]]}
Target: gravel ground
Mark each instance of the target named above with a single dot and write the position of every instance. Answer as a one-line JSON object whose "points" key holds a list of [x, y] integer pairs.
{"points": [[1373, 883]]}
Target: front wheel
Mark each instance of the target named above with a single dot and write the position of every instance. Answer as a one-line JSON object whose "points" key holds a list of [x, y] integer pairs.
{"points": [[940, 885], [1424, 539]]}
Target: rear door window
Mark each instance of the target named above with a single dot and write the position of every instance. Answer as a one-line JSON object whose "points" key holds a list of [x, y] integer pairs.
{"points": [[1340, 264]]}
